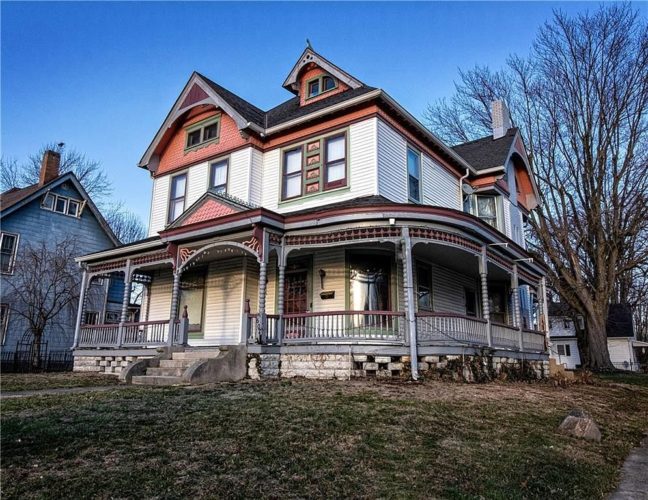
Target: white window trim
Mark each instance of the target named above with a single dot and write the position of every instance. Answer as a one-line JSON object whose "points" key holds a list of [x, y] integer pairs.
{"points": [[12, 262], [420, 183], [67, 200]]}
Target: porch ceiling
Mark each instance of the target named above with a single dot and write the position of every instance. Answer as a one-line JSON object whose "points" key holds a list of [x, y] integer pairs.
{"points": [[449, 257]]}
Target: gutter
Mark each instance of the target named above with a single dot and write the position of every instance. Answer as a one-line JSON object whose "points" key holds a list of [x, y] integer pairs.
{"points": [[115, 252]]}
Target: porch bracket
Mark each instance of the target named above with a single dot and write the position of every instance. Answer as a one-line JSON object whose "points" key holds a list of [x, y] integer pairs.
{"points": [[408, 283]]}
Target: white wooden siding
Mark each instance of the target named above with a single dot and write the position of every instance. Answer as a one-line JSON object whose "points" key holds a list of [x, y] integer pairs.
{"points": [[392, 163], [256, 177], [362, 172], [223, 303], [570, 361], [439, 187], [160, 300], [333, 263], [620, 351], [506, 205], [448, 290], [239, 174], [159, 203]]}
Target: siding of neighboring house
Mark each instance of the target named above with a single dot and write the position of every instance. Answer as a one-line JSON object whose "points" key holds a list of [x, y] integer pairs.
{"points": [[621, 352], [570, 361], [34, 225]]}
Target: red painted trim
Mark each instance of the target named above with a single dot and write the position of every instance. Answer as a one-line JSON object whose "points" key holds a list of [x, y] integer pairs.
{"points": [[255, 212]]}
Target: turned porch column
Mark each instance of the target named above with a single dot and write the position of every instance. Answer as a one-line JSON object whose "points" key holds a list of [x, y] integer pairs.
{"points": [[125, 302], [175, 295], [81, 308], [517, 316], [483, 275], [263, 284], [410, 306], [280, 301]]}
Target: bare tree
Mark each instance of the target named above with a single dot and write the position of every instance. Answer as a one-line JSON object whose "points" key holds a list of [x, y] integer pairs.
{"points": [[581, 101], [127, 226], [44, 287]]}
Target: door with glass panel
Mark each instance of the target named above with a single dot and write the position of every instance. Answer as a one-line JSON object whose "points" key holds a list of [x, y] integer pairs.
{"points": [[296, 299]]}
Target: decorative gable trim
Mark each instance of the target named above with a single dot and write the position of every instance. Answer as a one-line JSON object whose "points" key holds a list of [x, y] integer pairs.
{"points": [[190, 97], [310, 56], [210, 206]]}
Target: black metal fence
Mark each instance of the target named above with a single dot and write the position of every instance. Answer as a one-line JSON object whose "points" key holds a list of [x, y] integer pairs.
{"points": [[33, 358]]}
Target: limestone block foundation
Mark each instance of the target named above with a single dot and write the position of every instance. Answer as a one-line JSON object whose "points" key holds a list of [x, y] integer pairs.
{"points": [[471, 368], [109, 365]]}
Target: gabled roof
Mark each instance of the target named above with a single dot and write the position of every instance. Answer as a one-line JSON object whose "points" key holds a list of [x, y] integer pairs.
{"points": [[14, 199], [486, 153], [309, 56], [210, 206], [15, 195], [249, 111]]}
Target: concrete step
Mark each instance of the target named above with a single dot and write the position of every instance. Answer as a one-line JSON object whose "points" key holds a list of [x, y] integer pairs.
{"points": [[176, 363], [170, 372], [156, 380], [197, 354]]}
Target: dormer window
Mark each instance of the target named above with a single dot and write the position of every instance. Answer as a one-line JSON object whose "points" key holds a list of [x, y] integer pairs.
{"points": [[202, 133], [320, 85]]}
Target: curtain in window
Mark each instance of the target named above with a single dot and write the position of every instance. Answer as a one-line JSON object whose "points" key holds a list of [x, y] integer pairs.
{"points": [[486, 209], [369, 287], [219, 176], [293, 179]]}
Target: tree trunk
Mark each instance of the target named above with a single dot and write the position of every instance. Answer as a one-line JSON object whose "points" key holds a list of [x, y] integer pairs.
{"points": [[598, 357], [36, 348]]}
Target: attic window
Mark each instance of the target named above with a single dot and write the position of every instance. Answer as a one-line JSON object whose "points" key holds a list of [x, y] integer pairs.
{"points": [[62, 205], [320, 85], [202, 133]]}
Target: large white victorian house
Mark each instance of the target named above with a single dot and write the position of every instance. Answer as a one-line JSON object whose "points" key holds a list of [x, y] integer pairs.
{"points": [[332, 235]]}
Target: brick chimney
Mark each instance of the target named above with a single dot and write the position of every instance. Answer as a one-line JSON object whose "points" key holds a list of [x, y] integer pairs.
{"points": [[501, 119], [49, 167]]}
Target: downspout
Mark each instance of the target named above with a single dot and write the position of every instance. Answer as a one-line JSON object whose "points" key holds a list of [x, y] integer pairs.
{"points": [[461, 181]]}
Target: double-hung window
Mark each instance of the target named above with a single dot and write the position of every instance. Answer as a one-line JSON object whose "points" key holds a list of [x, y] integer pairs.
{"points": [[8, 248], [424, 287], [292, 173], [487, 209], [414, 175], [335, 166], [202, 132], [218, 176], [177, 198], [62, 204]]}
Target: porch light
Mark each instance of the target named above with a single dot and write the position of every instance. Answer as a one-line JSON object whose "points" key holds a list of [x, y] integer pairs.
{"points": [[322, 273]]}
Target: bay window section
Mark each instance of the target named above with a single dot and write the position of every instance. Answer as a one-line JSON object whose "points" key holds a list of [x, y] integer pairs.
{"points": [[335, 166], [218, 176], [177, 197], [292, 173], [486, 208], [414, 175]]}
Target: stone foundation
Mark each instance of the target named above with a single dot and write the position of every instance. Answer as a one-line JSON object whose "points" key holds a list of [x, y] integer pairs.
{"points": [[110, 365], [468, 368]]}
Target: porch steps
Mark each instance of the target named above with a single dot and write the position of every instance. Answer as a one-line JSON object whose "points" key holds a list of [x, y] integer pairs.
{"points": [[171, 371], [156, 380]]}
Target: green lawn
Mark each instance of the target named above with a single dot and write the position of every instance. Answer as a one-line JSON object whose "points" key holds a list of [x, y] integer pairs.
{"points": [[10, 382], [357, 439]]}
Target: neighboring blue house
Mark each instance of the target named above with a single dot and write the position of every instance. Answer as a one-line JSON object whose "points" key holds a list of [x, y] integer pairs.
{"points": [[55, 208]]}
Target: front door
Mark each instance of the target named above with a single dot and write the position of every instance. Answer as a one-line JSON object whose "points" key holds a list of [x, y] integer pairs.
{"points": [[296, 302], [296, 292]]}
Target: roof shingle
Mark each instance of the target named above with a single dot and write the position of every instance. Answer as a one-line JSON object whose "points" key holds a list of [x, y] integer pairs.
{"points": [[487, 152]]}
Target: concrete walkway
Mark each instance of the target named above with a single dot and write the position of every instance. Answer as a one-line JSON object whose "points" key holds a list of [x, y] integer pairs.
{"points": [[634, 475], [61, 390]]}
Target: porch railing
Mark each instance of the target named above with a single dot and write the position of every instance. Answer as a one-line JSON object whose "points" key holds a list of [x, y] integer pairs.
{"points": [[271, 335], [344, 326], [533, 340], [138, 334], [435, 328], [505, 336]]}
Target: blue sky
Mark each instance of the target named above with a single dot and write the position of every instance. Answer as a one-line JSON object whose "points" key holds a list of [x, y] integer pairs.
{"points": [[102, 76]]}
